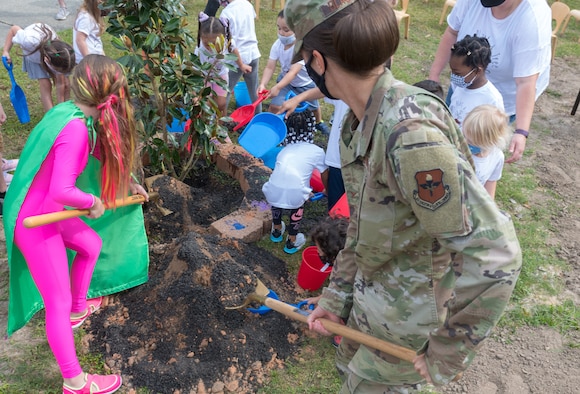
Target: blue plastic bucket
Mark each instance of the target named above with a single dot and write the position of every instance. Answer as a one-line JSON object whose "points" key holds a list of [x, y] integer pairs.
{"points": [[178, 126], [241, 94], [264, 132]]}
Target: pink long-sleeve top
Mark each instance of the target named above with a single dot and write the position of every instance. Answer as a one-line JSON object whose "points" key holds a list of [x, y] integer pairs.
{"points": [[53, 187]]}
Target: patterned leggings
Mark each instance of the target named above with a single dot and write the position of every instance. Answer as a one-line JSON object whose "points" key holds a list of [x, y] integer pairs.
{"points": [[295, 218]]}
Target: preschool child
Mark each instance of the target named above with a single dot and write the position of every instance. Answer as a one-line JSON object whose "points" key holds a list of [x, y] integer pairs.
{"points": [[292, 77], [470, 58], [46, 59], [240, 15], [289, 185], [99, 122], [88, 28], [487, 133]]}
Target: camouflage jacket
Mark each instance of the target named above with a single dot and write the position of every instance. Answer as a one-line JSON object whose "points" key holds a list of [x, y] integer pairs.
{"points": [[430, 262]]}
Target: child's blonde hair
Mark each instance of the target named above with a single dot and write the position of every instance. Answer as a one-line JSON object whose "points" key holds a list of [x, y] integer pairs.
{"points": [[486, 126]]}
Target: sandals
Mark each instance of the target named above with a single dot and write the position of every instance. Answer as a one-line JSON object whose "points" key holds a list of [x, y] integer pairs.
{"points": [[96, 384], [92, 306]]}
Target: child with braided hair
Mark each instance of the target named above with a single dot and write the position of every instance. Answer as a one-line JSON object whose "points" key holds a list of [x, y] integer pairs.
{"points": [[99, 123], [289, 184], [213, 37], [46, 59], [471, 88]]}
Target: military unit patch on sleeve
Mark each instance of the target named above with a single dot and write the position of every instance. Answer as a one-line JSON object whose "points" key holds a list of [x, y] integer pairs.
{"points": [[431, 192]]}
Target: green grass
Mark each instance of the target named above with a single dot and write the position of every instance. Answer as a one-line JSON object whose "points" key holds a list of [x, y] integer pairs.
{"points": [[537, 300]]}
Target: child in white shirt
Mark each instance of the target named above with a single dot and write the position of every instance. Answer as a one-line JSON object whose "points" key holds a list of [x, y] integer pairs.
{"points": [[289, 184], [240, 15], [469, 60], [487, 133], [292, 77], [87, 31]]}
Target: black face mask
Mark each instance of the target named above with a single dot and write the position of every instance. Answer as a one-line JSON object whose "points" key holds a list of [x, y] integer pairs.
{"points": [[317, 78]]}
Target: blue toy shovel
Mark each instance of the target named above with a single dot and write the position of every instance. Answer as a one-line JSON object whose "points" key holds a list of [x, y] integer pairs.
{"points": [[17, 97]]}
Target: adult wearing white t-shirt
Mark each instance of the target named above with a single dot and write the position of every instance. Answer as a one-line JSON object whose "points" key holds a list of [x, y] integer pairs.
{"points": [[519, 32]]}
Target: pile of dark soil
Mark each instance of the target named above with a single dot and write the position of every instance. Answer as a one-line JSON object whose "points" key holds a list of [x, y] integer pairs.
{"points": [[173, 334]]}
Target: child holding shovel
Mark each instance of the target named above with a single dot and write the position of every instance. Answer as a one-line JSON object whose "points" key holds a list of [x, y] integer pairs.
{"points": [[46, 59], [55, 154]]}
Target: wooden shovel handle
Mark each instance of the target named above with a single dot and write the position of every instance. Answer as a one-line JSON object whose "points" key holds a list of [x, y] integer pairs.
{"points": [[389, 348], [47, 218]]}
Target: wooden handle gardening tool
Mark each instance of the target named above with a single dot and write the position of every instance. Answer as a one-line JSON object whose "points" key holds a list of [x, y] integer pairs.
{"points": [[297, 314], [47, 218]]}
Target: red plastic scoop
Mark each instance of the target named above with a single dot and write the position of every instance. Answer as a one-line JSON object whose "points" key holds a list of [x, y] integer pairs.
{"points": [[245, 113]]}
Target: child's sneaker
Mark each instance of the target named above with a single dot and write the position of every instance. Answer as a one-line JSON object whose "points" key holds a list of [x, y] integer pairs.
{"points": [[293, 247], [323, 128], [276, 235], [92, 306], [61, 14], [96, 384], [9, 165]]}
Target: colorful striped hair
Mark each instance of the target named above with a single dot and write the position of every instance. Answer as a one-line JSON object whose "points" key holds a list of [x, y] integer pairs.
{"points": [[99, 81]]}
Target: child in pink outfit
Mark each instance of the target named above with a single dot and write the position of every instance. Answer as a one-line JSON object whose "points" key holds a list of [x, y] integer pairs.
{"points": [[54, 156]]}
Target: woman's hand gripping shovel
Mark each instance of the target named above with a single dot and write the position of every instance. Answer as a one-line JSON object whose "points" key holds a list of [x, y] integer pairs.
{"points": [[260, 295], [245, 113], [17, 97]]}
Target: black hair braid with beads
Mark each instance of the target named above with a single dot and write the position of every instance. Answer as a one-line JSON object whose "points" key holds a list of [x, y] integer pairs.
{"points": [[301, 127], [476, 50]]}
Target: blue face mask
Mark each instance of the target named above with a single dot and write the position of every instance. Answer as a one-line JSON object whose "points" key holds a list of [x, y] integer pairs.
{"points": [[475, 150], [287, 40], [459, 81]]}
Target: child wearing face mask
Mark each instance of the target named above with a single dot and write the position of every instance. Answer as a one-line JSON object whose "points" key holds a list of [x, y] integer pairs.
{"points": [[469, 60], [487, 133], [292, 77]]}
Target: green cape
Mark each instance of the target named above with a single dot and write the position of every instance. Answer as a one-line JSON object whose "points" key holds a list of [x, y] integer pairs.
{"points": [[124, 259]]}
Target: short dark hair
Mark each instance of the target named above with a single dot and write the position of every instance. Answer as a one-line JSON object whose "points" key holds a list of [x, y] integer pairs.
{"points": [[476, 50], [330, 235], [432, 87], [358, 38]]}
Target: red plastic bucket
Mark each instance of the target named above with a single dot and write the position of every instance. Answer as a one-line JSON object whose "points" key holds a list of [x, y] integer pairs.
{"points": [[309, 275], [316, 181], [340, 208]]}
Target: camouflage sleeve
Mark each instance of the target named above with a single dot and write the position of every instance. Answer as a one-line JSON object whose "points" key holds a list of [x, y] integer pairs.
{"points": [[452, 206]]}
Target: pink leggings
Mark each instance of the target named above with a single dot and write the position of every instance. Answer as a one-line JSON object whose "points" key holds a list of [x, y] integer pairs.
{"points": [[44, 249]]}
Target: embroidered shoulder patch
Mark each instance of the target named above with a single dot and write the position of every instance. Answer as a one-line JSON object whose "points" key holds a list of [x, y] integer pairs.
{"points": [[431, 191]]}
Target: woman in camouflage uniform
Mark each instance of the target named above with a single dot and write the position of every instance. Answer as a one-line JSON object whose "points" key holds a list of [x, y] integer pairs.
{"points": [[430, 262]]}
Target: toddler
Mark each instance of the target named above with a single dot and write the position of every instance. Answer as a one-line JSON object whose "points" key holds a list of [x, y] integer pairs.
{"points": [[240, 15], [87, 31], [289, 184], [469, 60], [292, 77], [213, 37], [487, 133], [46, 59]]}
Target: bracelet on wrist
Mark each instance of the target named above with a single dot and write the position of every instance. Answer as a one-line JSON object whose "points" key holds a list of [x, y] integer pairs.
{"points": [[523, 132]]}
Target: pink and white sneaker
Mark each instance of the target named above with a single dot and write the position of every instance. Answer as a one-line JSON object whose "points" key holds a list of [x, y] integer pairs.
{"points": [[92, 306], [96, 384]]}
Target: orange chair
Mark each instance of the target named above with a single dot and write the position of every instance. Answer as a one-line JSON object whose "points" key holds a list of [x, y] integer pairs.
{"points": [[403, 16], [446, 5], [560, 12]]}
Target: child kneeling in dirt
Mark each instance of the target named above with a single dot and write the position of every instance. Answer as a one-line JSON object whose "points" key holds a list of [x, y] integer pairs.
{"points": [[289, 184]]}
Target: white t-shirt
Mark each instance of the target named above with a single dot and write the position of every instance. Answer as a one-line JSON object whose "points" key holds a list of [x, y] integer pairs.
{"points": [[289, 184], [332, 158], [520, 43], [29, 38], [284, 56], [86, 24], [464, 100], [206, 56], [241, 15], [489, 168]]}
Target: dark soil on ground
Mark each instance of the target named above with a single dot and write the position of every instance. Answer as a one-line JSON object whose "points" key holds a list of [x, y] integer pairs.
{"points": [[174, 334]]}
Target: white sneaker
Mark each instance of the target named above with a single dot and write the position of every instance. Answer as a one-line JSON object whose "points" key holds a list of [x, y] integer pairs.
{"points": [[61, 14], [293, 247]]}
